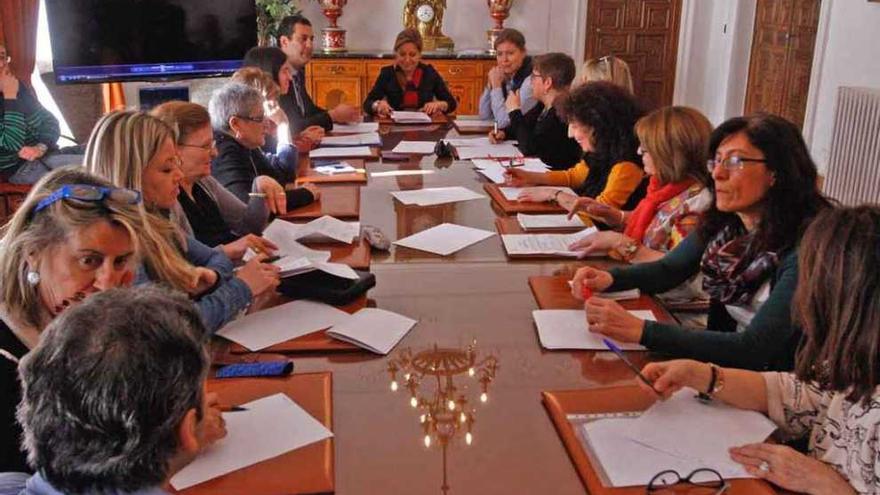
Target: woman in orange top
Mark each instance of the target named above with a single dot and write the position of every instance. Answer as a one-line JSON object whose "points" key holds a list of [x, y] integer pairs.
{"points": [[601, 117]]}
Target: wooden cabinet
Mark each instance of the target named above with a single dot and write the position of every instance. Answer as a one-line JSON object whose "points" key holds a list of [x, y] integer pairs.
{"points": [[334, 80]]}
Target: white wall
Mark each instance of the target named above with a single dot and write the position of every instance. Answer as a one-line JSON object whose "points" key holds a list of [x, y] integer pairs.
{"points": [[846, 55]]}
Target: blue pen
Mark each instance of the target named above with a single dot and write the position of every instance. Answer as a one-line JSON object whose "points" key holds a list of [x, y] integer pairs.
{"points": [[621, 355]]}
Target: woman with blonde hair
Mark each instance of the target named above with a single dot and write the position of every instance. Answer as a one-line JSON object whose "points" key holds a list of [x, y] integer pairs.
{"points": [[608, 68], [137, 151], [74, 235]]}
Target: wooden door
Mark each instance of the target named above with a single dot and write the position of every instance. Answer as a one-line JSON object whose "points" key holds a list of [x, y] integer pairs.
{"points": [[644, 33], [782, 57]]}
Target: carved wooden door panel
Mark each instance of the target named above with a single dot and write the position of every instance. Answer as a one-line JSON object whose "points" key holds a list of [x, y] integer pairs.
{"points": [[644, 33], [782, 57]]}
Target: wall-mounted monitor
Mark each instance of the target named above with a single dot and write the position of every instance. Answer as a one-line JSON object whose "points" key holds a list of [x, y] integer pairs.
{"points": [[142, 40]]}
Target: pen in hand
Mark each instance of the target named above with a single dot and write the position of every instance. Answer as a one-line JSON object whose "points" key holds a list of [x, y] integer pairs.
{"points": [[231, 408], [616, 350]]}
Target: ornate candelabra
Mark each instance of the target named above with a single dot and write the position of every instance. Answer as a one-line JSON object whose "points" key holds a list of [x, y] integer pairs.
{"points": [[498, 10], [333, 35], [445, 411]]}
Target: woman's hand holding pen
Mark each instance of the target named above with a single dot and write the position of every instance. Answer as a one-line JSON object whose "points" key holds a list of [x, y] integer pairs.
{"points": [[497, 136], [212, 426], [607, 317], [517, 177], [382, 108], [275, 197]]}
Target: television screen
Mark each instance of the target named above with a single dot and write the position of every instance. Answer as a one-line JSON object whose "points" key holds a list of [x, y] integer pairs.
{"points": [[125, 40]]}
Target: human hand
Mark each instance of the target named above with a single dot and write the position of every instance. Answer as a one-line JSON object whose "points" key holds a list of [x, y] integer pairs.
{"points": [[496, 137], [669, 377], [597, 242], [276, 198], [513, 101], [345, 114], [313, 132], [607, 317], [316, 193], [303, 143], [434, 107], [383, 109], [202, 280], [29, 153], [537, 194], [235, 250], [259, 276], [516, 177], [496, 77], [212, 426], [274, 112], [790, 469], [600, 211], [591, 278]]}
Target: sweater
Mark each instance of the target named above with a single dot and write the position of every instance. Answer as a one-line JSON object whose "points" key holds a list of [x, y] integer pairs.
{"points": [[544, 135], [387, 87], [237, 217], [768, 341], [623, 180], [24, 122]]}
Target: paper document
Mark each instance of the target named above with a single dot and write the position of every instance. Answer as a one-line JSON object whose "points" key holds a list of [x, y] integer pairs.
{"points": [[512, 193], [415, 147], [436, 195], [271, 426], [358, 128], [396, 173], [337, 168], [323, 229], [687, 428], [342, 152], [543, 244], [618, 295], [537, 222], [410, 117], [373, 329], [474, 141], [567, 329], [494, 170], [362, 139], [444, 239], [271, 326], [465, 123], [488, 151]]}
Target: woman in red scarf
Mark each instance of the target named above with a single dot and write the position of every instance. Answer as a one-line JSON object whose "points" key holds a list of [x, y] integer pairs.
{"points": [[674, 146]]}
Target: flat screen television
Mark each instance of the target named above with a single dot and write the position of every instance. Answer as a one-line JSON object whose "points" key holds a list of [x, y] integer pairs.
{"points": [[128, 40]]}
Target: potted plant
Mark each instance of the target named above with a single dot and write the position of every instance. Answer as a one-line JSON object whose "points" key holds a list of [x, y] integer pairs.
{"points": [[269, 15]]}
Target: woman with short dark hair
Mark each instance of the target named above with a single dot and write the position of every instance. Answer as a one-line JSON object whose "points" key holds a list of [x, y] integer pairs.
{"points": [[512, 76]]}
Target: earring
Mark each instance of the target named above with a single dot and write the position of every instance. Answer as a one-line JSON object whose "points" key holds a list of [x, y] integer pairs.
{"points": [[33, 277]]}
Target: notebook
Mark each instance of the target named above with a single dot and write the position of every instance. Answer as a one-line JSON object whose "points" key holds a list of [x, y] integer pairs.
{"points": [[373, 329], [548, 222]]}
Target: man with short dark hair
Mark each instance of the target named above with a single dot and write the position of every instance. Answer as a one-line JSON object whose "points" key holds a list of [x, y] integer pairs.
{"points": [[540, 132], [113, 395], [297, 41]]}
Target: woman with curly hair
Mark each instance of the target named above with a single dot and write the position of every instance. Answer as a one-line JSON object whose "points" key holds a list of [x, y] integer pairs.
{"points": [[601, 117]]}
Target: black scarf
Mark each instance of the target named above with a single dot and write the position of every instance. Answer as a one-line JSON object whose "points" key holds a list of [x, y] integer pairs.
{"points": [[519, 77]]}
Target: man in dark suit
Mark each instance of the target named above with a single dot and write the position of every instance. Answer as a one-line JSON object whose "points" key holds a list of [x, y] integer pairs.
{"points": [[297, 40]]}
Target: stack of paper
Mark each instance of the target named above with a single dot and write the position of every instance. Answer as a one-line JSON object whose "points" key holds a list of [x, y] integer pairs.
{"points": [[323, 229], [567, 329], [543, 244], [270, 426], [619, 295], [444, 239], [358, 128], [342, 152], [488, 151], [512, 193], [268, 327], [548, 222], [373, 329], [362, 139], [410, 117], [475, 141], [435, 195], [463, 123], [415, 147], [494, 169]]}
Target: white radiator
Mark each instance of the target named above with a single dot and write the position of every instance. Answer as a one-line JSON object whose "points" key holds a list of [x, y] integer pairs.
{"points": [[854, 163]]}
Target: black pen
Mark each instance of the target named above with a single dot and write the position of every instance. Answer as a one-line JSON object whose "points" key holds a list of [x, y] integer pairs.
{"points": [[621, 355], [232, 408]]}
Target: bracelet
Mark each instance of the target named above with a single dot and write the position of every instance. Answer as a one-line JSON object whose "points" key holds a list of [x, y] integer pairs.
{"points": [[556, 196], [622, 217], [257, 195], [716, 383]]}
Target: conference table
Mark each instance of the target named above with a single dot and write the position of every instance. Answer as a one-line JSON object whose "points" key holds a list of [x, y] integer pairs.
{"points": [[474, 299]]}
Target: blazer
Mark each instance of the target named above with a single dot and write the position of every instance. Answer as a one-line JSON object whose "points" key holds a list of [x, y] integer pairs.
{"points": [[430, 87], [301, 110]]}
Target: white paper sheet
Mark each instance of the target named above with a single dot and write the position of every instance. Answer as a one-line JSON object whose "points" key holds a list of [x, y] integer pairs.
{"points": [[465, 123], [679, 425], [327, 228], [444, 239], [567, 329], [362, 139], [337, 168], [396, 173], [358, 128], [341, 152], [410, 117], [536, 222], [270, 326], [543, 244], [512, 193], [489, 151], [475, 141], [340, 270], [376, 330], [415, 147], [494, 171], [435, 195], [271, 426]]}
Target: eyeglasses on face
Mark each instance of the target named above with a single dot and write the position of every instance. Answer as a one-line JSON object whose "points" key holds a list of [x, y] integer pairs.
{"points": [[257, 120], [703, 478], [85, 192], [207, 147], [732, 163]]}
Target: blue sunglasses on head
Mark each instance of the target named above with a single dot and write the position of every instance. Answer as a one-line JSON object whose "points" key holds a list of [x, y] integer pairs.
{"points": [[85, 192]]}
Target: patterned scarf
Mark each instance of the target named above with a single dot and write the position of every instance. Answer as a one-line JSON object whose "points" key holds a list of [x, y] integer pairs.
{"points": [[645, 212], [732, 272], [410, 88]]}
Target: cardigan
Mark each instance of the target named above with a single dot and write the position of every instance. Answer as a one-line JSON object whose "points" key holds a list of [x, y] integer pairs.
{"points": [[387, 87], [767, 342], [238, 218], [543, 134], [12, 458], [623, 181], [24, 122]]}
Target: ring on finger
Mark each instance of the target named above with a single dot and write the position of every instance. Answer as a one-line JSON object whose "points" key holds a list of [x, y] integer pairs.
{"points": [[764, 467]]}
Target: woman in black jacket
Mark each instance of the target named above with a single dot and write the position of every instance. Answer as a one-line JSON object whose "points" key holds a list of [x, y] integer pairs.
{"points": [[409, 84]]}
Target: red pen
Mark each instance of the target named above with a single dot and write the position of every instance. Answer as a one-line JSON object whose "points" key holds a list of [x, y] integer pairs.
{"points": [[586, 292]]}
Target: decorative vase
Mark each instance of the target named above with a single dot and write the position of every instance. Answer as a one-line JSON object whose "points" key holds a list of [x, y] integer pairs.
{"points": [[333, 35], [498, 10]]}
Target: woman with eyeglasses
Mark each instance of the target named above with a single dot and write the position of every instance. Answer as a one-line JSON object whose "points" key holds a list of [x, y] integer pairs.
{"points": [[74, 235], [138, 151], [409, 84], [832, 398], [237, 116], [746, 250], [204, 207]]}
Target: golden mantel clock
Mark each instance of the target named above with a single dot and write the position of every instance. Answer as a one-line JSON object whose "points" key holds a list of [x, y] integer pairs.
{"points": [[427, 17]]}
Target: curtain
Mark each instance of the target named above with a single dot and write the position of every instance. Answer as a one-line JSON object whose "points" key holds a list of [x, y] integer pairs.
{"points": [[18, 30], [114, 97]]}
